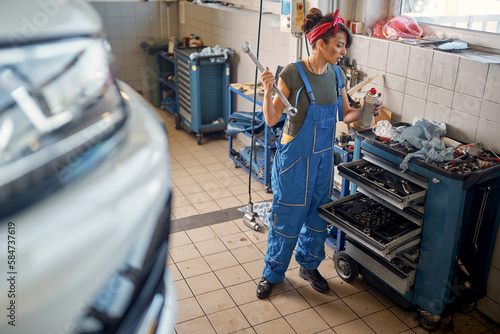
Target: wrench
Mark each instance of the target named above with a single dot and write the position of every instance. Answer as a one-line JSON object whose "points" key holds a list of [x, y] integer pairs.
{"points": [[246, 49]]}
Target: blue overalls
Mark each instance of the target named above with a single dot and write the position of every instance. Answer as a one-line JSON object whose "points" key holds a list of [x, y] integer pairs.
{"points": [[302, 180]]}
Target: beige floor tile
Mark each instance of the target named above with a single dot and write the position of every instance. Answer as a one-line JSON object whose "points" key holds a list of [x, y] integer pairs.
{"points": [[182, 290], [335, 313], [255, 236], [315, 298], [210, 159], [221, 260], [220, 193], [280, 287], [292, 275], [228, 321], [215, 301], [174, 271], [204, 283], [215, 166], [254, 268], [343, 289], [233, 275], [188, 309], [329, 251], [180, 201], [262, 246], [327, 331], [363, 303], [466, 323], [293, 263], [289, 302], [410, 318], [307, 322], [179, 173], [236, 240], [206, 207], [381, 298], [169, 259], [193, 267], [259, 311], [190, 189], [226, 228], [184, 211], [278, 326], [385, 322], [197, 170], [178, 239], [185, 156], [211, 246], [184, 253], [247, 253], [205, 177], [239, 189], [199, 197], [190, 163], [229, 202], [357, 326], [327, 269], [211, 185], [243, 293], [198, 325], [183, 181], [201, 234], [175, 166]]}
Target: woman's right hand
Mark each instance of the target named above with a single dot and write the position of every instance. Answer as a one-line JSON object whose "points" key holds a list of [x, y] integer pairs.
{"points": [[268, 80]]}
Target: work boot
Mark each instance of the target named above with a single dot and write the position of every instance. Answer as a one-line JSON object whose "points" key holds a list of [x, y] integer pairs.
{"points": [[317, 281], [264, 288]]}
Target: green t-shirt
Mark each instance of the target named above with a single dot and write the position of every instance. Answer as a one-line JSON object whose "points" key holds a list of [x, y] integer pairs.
{"points": [[324, 87]]}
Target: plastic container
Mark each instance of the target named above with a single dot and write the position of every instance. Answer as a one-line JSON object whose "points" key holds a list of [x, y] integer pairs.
{"points": [[371, 97]]}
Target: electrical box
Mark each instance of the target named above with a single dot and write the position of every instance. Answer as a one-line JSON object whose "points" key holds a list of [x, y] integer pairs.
{"points": [[292, 13]]}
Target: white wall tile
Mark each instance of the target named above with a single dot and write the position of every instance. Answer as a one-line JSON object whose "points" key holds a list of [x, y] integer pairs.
{"points": [[471, 77], [397, 60], [490, 111], [393, 101], [412, 107], [116, 46], [467, 104], [127, 9], [113, 10], [378, 52], [419, 66], [444, 70], [493, 84], [440, 96], [395, 82], [462, 126], [487, 132], [358, 49], [437, 112], [141, 9], [416, 89]]}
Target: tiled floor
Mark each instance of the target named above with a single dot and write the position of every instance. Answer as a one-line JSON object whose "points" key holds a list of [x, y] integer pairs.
{"points": [[217, 262]]}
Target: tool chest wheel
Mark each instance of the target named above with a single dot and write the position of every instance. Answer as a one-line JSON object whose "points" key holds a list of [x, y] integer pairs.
{"points": [[429, 321], [177, 121], [346, 267], [199, 138]]}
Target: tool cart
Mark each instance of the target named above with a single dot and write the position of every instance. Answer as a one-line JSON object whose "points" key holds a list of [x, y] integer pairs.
{"points": [[166, 82], [425, 236], [202, 83]]}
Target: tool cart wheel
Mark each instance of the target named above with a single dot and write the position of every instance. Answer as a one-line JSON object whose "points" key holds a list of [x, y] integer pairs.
{"points": [[177, 121], [199, 138], [346, 267], [267, 189]]}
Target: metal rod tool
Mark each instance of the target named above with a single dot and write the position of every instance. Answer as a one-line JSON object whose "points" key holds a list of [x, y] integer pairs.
{"points": [[245, 47]]}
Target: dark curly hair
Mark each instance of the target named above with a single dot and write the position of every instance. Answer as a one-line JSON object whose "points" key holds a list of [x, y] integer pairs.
{"points": [[315, 18]]}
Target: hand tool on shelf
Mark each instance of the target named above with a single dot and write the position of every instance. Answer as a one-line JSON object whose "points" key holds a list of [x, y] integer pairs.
{"points": [[245, 47]]}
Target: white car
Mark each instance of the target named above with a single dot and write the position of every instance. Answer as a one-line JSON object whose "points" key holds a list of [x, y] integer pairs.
{"points": [[84, 182]]}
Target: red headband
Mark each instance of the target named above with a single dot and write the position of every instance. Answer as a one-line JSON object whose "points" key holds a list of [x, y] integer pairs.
{"points": [[322, 29]]}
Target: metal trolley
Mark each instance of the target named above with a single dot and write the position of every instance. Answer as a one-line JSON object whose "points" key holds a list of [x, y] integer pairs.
{"points": [[424, 237], [202, 88]]}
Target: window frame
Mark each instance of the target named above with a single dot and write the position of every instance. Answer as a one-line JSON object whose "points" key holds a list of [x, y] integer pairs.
{"points": [[481, 40]]}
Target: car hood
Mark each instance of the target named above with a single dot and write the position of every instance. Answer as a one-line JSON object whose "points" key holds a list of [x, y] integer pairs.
{"points": [[29, 21]]}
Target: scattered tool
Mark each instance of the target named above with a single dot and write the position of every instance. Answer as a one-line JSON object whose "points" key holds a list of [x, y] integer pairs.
{"points": [[245, 47], [250, 218]]}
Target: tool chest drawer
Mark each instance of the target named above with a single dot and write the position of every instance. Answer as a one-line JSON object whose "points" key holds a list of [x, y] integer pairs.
{"points": [[398, 189], [382, 230]]}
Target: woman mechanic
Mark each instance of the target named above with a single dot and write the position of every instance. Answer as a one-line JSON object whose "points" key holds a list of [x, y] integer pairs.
{"points": [[302, 174]]}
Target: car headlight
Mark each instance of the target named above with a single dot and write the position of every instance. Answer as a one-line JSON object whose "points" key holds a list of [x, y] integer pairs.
{"points": [[60, 112]]}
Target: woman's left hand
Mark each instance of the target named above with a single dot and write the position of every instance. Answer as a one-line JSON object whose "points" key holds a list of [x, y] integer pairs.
{"points": [[378, 106]]}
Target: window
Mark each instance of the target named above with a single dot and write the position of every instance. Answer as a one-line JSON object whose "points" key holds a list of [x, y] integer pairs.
{"points": [[478, 15]]}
